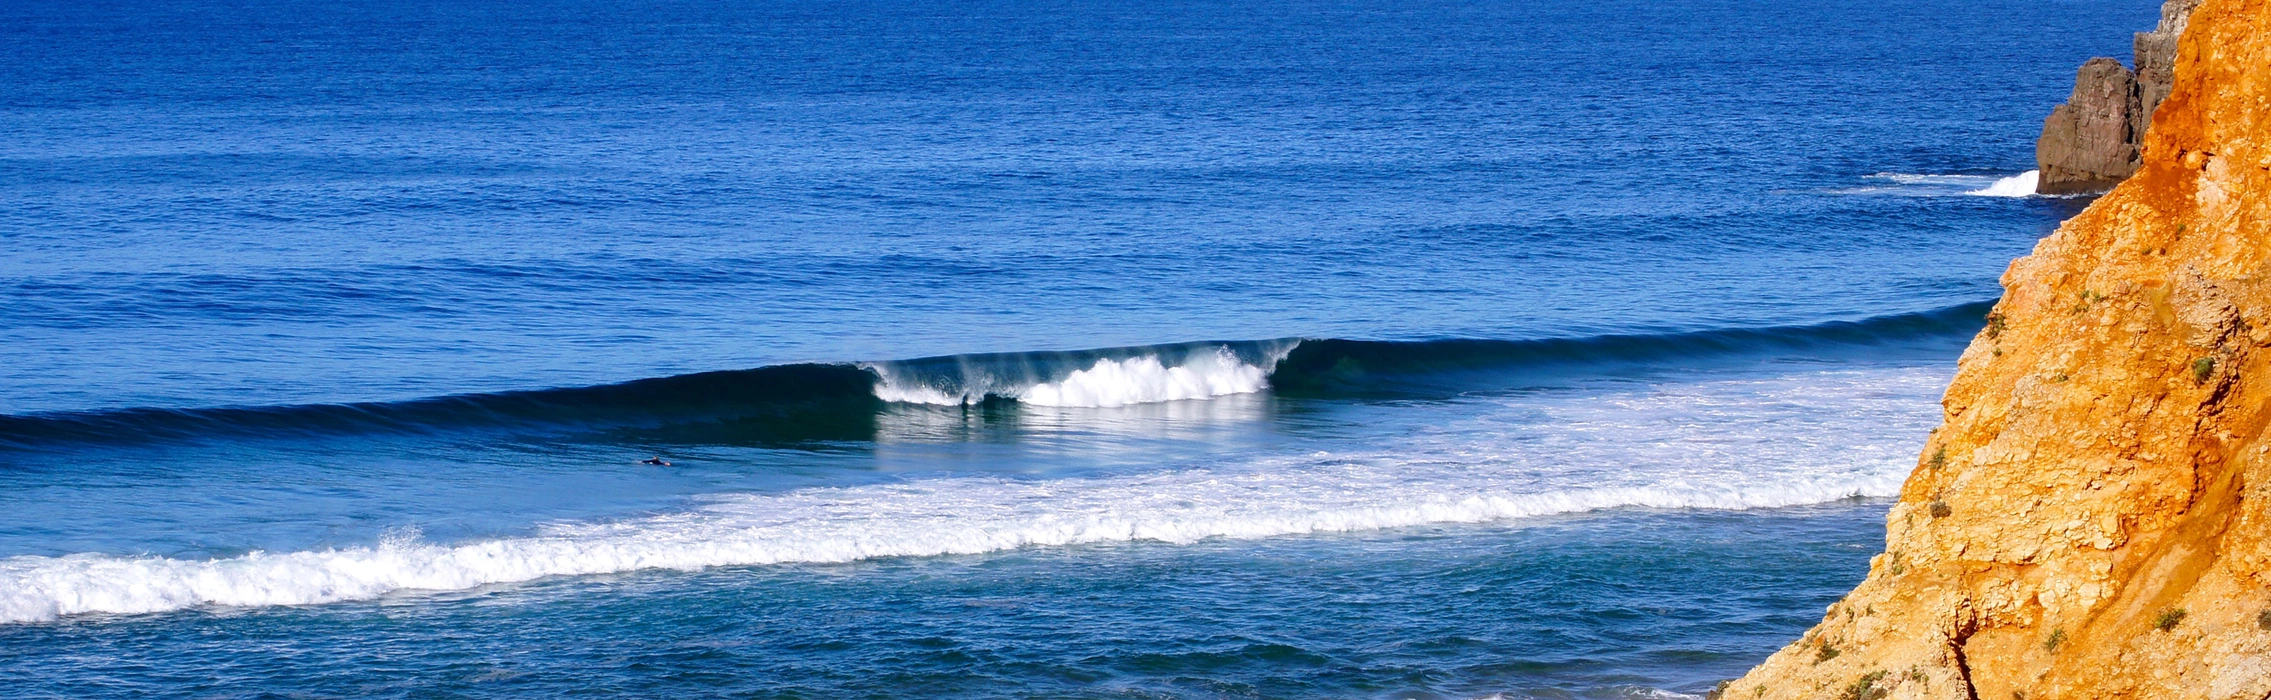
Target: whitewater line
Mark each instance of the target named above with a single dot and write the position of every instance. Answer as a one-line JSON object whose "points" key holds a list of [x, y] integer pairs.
{"points": [[956, 516]]}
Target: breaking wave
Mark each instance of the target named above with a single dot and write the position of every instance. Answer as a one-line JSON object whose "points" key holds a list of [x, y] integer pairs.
{"points": [[1947, 185], [1107, 383], [802, 402], [2020, 185]]}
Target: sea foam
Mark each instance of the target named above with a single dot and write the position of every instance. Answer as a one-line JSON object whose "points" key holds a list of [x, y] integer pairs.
{"points": [[838, 525], [1107, 383], [2020, 185], [1946, 185]]}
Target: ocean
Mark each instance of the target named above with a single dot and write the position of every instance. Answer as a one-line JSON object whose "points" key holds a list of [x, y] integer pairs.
{"points": [[1018, 348]]}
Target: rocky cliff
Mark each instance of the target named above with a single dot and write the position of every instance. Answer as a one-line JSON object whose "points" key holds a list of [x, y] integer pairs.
{"points": [[2093, 520], [2093, 141]]}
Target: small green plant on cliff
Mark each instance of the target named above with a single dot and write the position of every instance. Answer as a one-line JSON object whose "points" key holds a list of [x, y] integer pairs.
{"points": [[2202, 368], [1940, 458], [1995, 325], [1940, 509], [2057, 637], [1827, 652], [2168, 619], [1865, 687], [2263, 619]]}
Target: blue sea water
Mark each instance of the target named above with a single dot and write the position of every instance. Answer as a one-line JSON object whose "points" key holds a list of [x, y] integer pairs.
{"points": [[1020, 348]]}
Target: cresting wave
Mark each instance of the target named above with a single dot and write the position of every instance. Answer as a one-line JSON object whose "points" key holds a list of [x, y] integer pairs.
{"points": [[1795, 439], [833, 401], [1198, 373]]}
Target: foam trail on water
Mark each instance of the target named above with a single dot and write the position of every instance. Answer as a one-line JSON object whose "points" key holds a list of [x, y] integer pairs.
{"points": [[1734, 444], [1927, 179], [1948, 185], [2020, 185]]}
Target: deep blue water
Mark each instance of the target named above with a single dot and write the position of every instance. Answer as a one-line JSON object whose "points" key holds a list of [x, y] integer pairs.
{"points": [[1354, 349]]}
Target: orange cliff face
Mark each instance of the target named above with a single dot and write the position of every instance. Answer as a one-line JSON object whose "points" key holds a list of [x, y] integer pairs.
{"points": [[2094, 518]]}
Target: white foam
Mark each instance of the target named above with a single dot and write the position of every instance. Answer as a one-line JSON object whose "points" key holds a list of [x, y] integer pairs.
{"points": [[1113, 383], [1943, 185], [1108, 383], [1734, 444], [955, 517], [2020, 185], [1929, 179]]}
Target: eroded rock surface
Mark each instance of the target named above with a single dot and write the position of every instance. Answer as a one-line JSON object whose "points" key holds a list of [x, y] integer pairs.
{"points": [[2093, 520], [2090, 142]]}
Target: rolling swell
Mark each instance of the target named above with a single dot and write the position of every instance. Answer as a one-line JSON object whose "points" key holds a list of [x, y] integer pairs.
{"points": [[1338, 367], [775, 390], [803, 402]]}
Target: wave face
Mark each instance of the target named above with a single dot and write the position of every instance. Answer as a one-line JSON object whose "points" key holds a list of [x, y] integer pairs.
{"points": [[1804, 438], [754, 392], [803, 402], [1355, 365]]}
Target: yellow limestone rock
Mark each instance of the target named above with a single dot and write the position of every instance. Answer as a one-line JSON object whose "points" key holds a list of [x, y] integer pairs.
{"points": [[2093, 520]]}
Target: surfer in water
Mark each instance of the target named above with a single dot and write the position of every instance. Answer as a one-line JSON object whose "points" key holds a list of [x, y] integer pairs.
{"points": [[655, 461]]}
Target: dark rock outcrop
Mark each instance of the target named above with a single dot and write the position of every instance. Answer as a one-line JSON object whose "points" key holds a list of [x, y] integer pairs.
{"points": [[2090, 143], [2094, 141]]}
